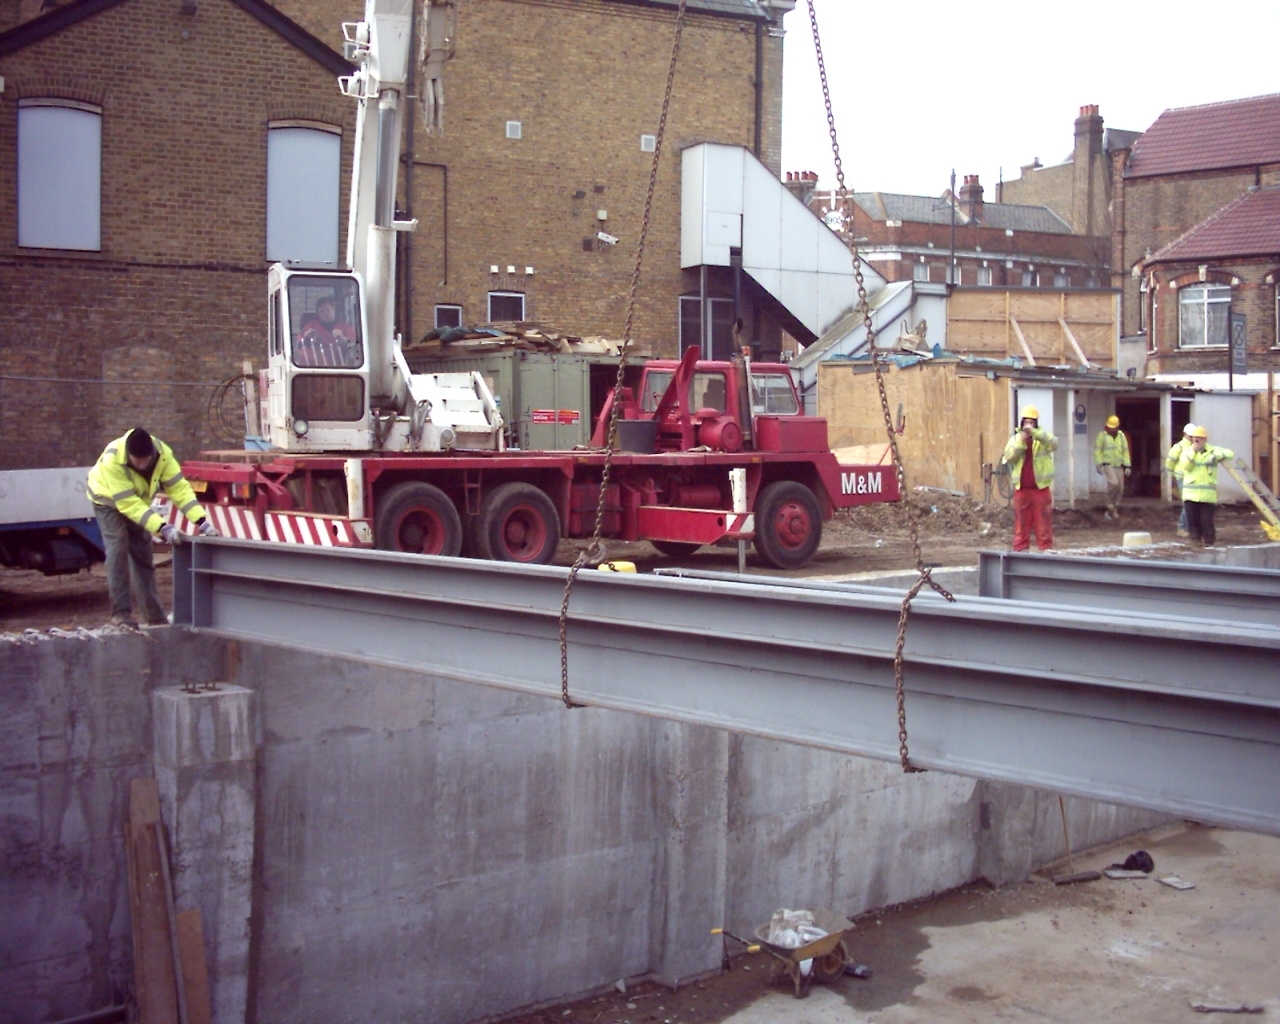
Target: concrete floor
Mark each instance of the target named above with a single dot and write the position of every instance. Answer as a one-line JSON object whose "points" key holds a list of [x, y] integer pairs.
{"points": [[1124, 951]]}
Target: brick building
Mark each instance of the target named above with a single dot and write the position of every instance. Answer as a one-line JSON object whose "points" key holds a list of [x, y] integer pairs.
{"points": [[1002, 245], [551, 108], [1189, 186], [137, 146], [1079, 189]]}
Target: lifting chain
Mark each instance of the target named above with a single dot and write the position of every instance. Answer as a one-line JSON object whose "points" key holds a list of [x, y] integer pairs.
{"points": [[913, 511], [595, 552]]}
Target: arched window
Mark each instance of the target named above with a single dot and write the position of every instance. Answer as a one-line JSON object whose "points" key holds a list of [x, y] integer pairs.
{"points": [[1203, 315], [303, 193], [59, 175]]}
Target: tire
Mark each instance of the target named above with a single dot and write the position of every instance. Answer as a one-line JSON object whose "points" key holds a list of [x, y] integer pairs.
{"points": [[675, 548], [518, 523], [829, 968], [419, 519], [788, 524]]}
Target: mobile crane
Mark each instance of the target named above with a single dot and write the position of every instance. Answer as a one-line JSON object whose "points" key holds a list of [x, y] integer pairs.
{"points": [[366, 453]]}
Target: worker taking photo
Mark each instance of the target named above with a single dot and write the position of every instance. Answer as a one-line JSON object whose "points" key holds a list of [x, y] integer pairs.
{"points": [[1029, 456]]}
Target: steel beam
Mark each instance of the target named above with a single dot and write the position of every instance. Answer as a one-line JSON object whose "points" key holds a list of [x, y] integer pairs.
{"points": [[1140, 711], [1179, 590]]}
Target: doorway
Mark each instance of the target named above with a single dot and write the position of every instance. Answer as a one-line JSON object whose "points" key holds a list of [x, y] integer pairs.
{"points": [[1140, 421]]}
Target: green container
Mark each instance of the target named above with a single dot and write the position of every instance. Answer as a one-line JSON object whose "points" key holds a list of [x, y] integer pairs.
{"points": [[549, 401]]}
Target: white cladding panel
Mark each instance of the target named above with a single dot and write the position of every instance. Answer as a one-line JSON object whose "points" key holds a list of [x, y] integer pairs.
{"points": [[730, 199], [692, 182], [44, 495]]}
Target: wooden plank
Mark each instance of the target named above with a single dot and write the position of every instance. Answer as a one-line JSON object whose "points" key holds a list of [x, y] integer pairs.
{"points": [[1022, 340], [195, 970], [153, 964], [1075, 345]]}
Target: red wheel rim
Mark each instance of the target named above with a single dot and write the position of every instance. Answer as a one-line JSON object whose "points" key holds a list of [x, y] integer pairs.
{"points": [[420, 531], [792, 525], [524, 534]]}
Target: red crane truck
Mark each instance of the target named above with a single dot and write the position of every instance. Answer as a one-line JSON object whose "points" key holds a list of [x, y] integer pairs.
{"points": [[365, 452]]}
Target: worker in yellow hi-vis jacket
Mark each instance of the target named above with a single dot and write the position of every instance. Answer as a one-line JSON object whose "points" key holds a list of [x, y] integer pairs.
{"points": [[121, 485], [1199, 468], [1111, 459]]}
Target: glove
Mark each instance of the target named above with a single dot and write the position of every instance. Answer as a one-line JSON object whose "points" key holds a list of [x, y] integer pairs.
{"points": [[170, 534], [1128, 471], [207, 529]]}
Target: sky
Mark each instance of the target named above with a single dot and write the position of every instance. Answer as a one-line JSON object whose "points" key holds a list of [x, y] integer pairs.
{"points": [[920, 89]]}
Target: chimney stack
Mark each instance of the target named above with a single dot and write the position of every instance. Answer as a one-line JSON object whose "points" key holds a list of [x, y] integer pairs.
{"points": [[1088, 170], [971, 198], [801, 184]]}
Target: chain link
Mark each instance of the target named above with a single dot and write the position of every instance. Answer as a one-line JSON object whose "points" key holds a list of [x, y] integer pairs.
{"points": [[595, 552], [912, 510]]}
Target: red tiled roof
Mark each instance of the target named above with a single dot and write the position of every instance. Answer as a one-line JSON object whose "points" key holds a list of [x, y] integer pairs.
{"points": [[1246, 226], [1237, 133]]}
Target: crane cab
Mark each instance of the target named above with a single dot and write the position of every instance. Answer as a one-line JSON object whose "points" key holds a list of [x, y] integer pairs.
{"points": [[317, 360]]}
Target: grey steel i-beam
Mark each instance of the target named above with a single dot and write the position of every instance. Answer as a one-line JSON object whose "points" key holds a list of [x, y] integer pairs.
{"points": [[1180, 590], [1138, 710]]}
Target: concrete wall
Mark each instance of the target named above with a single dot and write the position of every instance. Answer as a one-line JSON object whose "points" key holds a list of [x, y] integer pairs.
{"points": [[427, 849]]}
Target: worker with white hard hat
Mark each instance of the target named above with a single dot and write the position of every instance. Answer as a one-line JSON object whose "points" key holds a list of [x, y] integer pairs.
{"points": [[1171, 467], [1199, 466], [1032, 480], [1111, 459]]}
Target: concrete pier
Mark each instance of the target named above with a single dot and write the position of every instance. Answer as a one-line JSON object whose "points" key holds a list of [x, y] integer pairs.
{"points": [[204, 765]]}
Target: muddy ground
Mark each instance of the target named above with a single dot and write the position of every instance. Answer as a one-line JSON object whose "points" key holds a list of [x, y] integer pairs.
{"points": [[952, 530]]}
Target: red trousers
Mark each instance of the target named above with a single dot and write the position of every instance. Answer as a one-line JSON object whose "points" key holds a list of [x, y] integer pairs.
{"points": [[1032, 513]]}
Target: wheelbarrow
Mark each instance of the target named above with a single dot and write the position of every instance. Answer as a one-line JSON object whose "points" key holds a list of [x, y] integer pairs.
{"points": [[827, 955]]}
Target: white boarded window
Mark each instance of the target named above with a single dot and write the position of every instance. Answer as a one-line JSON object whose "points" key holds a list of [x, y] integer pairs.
{"points": [[59, 175], [303, 190]]}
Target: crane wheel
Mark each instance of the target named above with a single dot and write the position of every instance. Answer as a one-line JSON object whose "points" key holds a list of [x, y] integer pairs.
{"points": [[518, 523], [788, 524], [419, 519]]}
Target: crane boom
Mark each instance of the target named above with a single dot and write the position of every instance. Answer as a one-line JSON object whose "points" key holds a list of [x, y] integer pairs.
{"points": [[336, 379]]}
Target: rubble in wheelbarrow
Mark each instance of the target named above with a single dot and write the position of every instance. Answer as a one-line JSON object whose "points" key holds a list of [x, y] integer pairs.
{"points": [[791, 929]]}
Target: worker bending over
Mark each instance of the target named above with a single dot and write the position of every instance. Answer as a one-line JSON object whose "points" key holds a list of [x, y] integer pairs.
{"points": [[1199, 467], [1111, 459], [1032, 479], [121, 486]]}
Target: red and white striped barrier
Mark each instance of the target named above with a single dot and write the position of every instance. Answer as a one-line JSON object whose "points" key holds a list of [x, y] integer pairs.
{"points": [[281, 527], [742, 522]]}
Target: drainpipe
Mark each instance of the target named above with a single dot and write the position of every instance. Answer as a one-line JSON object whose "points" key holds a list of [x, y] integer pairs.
{"points": [[406, 261], [759, 88]]}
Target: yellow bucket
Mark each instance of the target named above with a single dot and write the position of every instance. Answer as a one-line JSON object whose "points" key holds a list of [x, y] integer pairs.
{"points": [[617, 566]]}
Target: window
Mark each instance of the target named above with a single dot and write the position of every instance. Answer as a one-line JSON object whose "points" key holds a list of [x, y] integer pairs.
{"points": [[919, 271], [984, 276], [506, 306], [1061, 281], [706, 390], [1030, 279], [303, 191], [448, 316], [324, 317], [1142, 306], [773, 395], [59, 175], [1203, 314], [721, 346]]}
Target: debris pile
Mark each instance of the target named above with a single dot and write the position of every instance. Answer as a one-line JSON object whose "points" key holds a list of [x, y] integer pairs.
{"points": [[523, 335]]}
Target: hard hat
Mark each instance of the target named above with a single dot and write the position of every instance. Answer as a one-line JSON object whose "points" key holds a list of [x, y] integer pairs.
{"points": [[1113, 421], [1030, 412], [1187, 430], [1199, 432]]}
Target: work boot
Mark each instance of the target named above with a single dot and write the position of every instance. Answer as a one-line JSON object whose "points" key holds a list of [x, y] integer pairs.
{"points": [[124, 621], [1107, 515], [1183, 533], [1206, 543]]}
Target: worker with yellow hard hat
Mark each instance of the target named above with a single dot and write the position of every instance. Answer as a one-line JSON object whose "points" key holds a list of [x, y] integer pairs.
{"points": [[1032, 480], [1199, 467], [1111, 459], [1171, 466]]}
